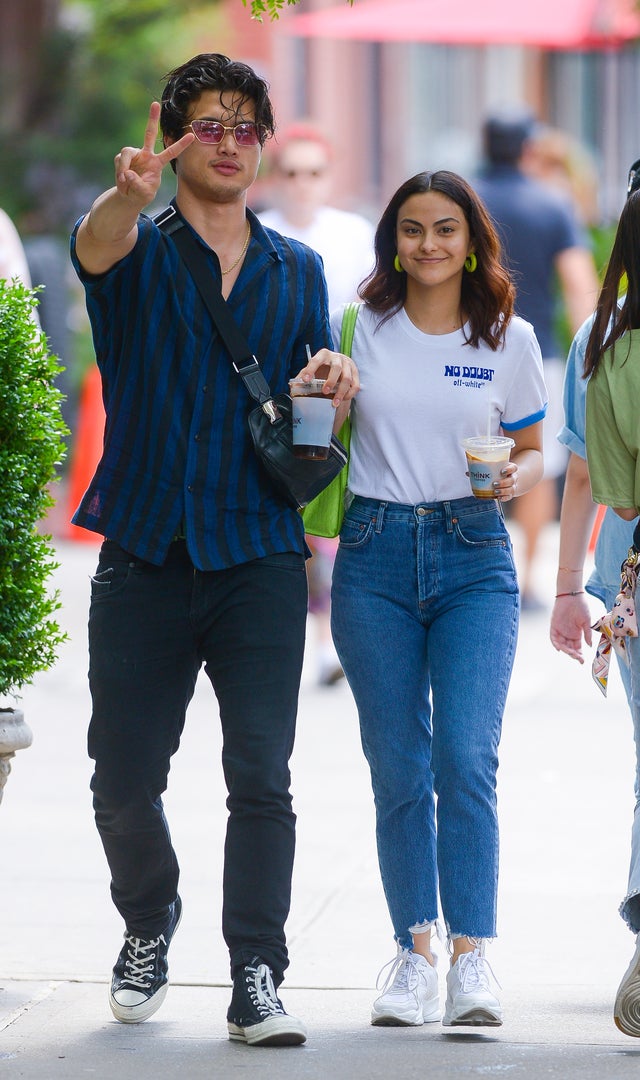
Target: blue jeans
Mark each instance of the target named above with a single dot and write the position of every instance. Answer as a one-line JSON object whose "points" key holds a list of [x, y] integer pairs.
{"points": [[630, 906], [425, 615], [613, 543], [150, 630]]}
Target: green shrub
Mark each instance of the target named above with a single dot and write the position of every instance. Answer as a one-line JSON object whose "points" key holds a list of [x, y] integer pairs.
{"points": [[31, 446]]}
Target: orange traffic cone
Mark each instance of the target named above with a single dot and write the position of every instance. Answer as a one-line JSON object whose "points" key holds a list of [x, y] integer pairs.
{"points": [[87, 450], [596, 527]]}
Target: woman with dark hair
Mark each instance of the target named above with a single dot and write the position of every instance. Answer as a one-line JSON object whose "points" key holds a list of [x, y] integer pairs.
{"points": [[612, 436], [425, 598], [614, 320], [606, 432], [612, 365]]}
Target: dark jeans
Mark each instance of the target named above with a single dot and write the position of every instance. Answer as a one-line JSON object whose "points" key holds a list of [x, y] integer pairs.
{"points": [[150, 629]]}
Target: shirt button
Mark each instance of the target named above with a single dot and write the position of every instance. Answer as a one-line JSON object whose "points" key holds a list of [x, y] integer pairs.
{"points": [[196, 438], [189, 487], [204, 389]]}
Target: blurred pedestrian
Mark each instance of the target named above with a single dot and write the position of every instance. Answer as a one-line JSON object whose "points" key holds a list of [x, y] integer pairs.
{"points": [[13, 261], [425, 596], [544, 244], [48, 262], [555, 158], [304, 176], [571, 618], [204, 561]]}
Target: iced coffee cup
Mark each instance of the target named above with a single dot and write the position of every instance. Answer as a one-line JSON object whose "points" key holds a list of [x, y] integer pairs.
{"points": [[313, 416], [486, 457]]}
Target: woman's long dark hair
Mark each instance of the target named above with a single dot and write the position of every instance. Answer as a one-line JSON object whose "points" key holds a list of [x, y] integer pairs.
{"points": [[612, 321], [487, 294]]}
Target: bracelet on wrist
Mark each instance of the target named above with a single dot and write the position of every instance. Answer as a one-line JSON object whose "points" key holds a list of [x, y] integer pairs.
{"points": [[576, 592]]}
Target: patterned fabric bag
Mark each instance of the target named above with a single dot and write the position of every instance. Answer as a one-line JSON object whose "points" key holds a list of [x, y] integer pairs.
{"points": [[620, 623]]}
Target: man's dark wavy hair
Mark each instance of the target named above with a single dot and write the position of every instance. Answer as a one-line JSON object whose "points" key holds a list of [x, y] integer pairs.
{"points": [[213, 71]]}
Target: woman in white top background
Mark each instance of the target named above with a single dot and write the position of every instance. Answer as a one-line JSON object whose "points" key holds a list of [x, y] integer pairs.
{"points": [[425, 598]]}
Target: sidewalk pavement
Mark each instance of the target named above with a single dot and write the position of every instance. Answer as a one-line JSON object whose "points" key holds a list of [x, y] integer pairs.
{"points": [[566, 803]]}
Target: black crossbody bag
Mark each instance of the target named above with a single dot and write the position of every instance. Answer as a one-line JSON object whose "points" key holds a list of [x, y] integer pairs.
{"points": [[296, 479]]}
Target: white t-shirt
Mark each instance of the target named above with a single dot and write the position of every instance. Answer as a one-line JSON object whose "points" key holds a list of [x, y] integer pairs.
{"points": [[343, 240], [422, 394]]}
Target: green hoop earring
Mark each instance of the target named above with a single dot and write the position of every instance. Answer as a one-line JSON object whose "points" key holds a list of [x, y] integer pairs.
{"points": [[397, 265], [471, 262]]}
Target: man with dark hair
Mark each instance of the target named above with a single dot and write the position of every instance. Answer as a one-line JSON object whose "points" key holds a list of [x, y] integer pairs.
{"points": [[544, 244], [203, 561]]}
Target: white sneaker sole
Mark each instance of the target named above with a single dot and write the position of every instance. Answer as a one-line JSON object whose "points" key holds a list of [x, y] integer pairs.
{"points": [[136, 1014], [276, 1031], [431, 1014], [626, 1010], [474, 1016]]}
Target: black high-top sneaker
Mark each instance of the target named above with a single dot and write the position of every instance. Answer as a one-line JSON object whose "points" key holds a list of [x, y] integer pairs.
{"points": [[140, 977], [256, 1015]]}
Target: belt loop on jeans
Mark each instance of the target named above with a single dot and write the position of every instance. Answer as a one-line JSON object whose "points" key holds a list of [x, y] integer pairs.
{"points": [[379, 518], [448, 516]]}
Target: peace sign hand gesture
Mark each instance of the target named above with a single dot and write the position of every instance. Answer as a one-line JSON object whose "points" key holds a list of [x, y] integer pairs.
{"points": [[109, 231], [139, 171]]}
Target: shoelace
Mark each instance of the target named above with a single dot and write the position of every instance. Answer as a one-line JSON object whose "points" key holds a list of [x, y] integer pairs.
{"points": [[402, 976], [138, 965], [473, 972], [262, 991]]}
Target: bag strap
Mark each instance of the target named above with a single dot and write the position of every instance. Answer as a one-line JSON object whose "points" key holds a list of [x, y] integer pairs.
{"points": [[349, 319], [195, 259]]}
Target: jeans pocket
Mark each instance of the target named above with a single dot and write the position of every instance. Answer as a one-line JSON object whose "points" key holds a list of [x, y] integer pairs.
{"points": [[355, 533], [285, 560], [482, 528], [115, 568]]}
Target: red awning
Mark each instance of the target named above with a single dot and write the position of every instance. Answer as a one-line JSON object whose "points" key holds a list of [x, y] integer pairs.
{"points": [[553, 24]]}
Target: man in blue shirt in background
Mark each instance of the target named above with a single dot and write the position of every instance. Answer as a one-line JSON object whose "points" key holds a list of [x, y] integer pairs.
{"points": [[544, 244], [203, 561]]}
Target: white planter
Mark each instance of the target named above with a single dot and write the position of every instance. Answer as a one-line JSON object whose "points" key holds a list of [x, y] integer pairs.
{"points": [[15, 734]]}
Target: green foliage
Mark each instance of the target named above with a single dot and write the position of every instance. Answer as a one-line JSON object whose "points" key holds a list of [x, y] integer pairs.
{"points": [[102, 65], [31, 446], [602, 238], [272, 8]]}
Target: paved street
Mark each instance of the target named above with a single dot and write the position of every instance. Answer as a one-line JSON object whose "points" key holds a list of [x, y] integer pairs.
{"points": [[566, 799]]}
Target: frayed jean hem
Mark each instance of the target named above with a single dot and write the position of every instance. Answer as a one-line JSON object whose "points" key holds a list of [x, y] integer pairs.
{"points": [[630, 910], [406, 941]]}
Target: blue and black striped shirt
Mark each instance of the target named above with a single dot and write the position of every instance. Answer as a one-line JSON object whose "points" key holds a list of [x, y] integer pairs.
{"points": [[177, 452]]}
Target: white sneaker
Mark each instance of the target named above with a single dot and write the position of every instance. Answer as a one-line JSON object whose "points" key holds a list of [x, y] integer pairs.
{"points": [[626, 1011], [469, 999], [410, 994]]}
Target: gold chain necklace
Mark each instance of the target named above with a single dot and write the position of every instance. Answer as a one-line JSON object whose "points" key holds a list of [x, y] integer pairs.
{"points": [[241, 255]]}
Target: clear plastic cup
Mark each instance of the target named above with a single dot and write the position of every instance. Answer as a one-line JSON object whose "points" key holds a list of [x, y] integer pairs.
{"points": [[313, 416], [486, 457]]}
